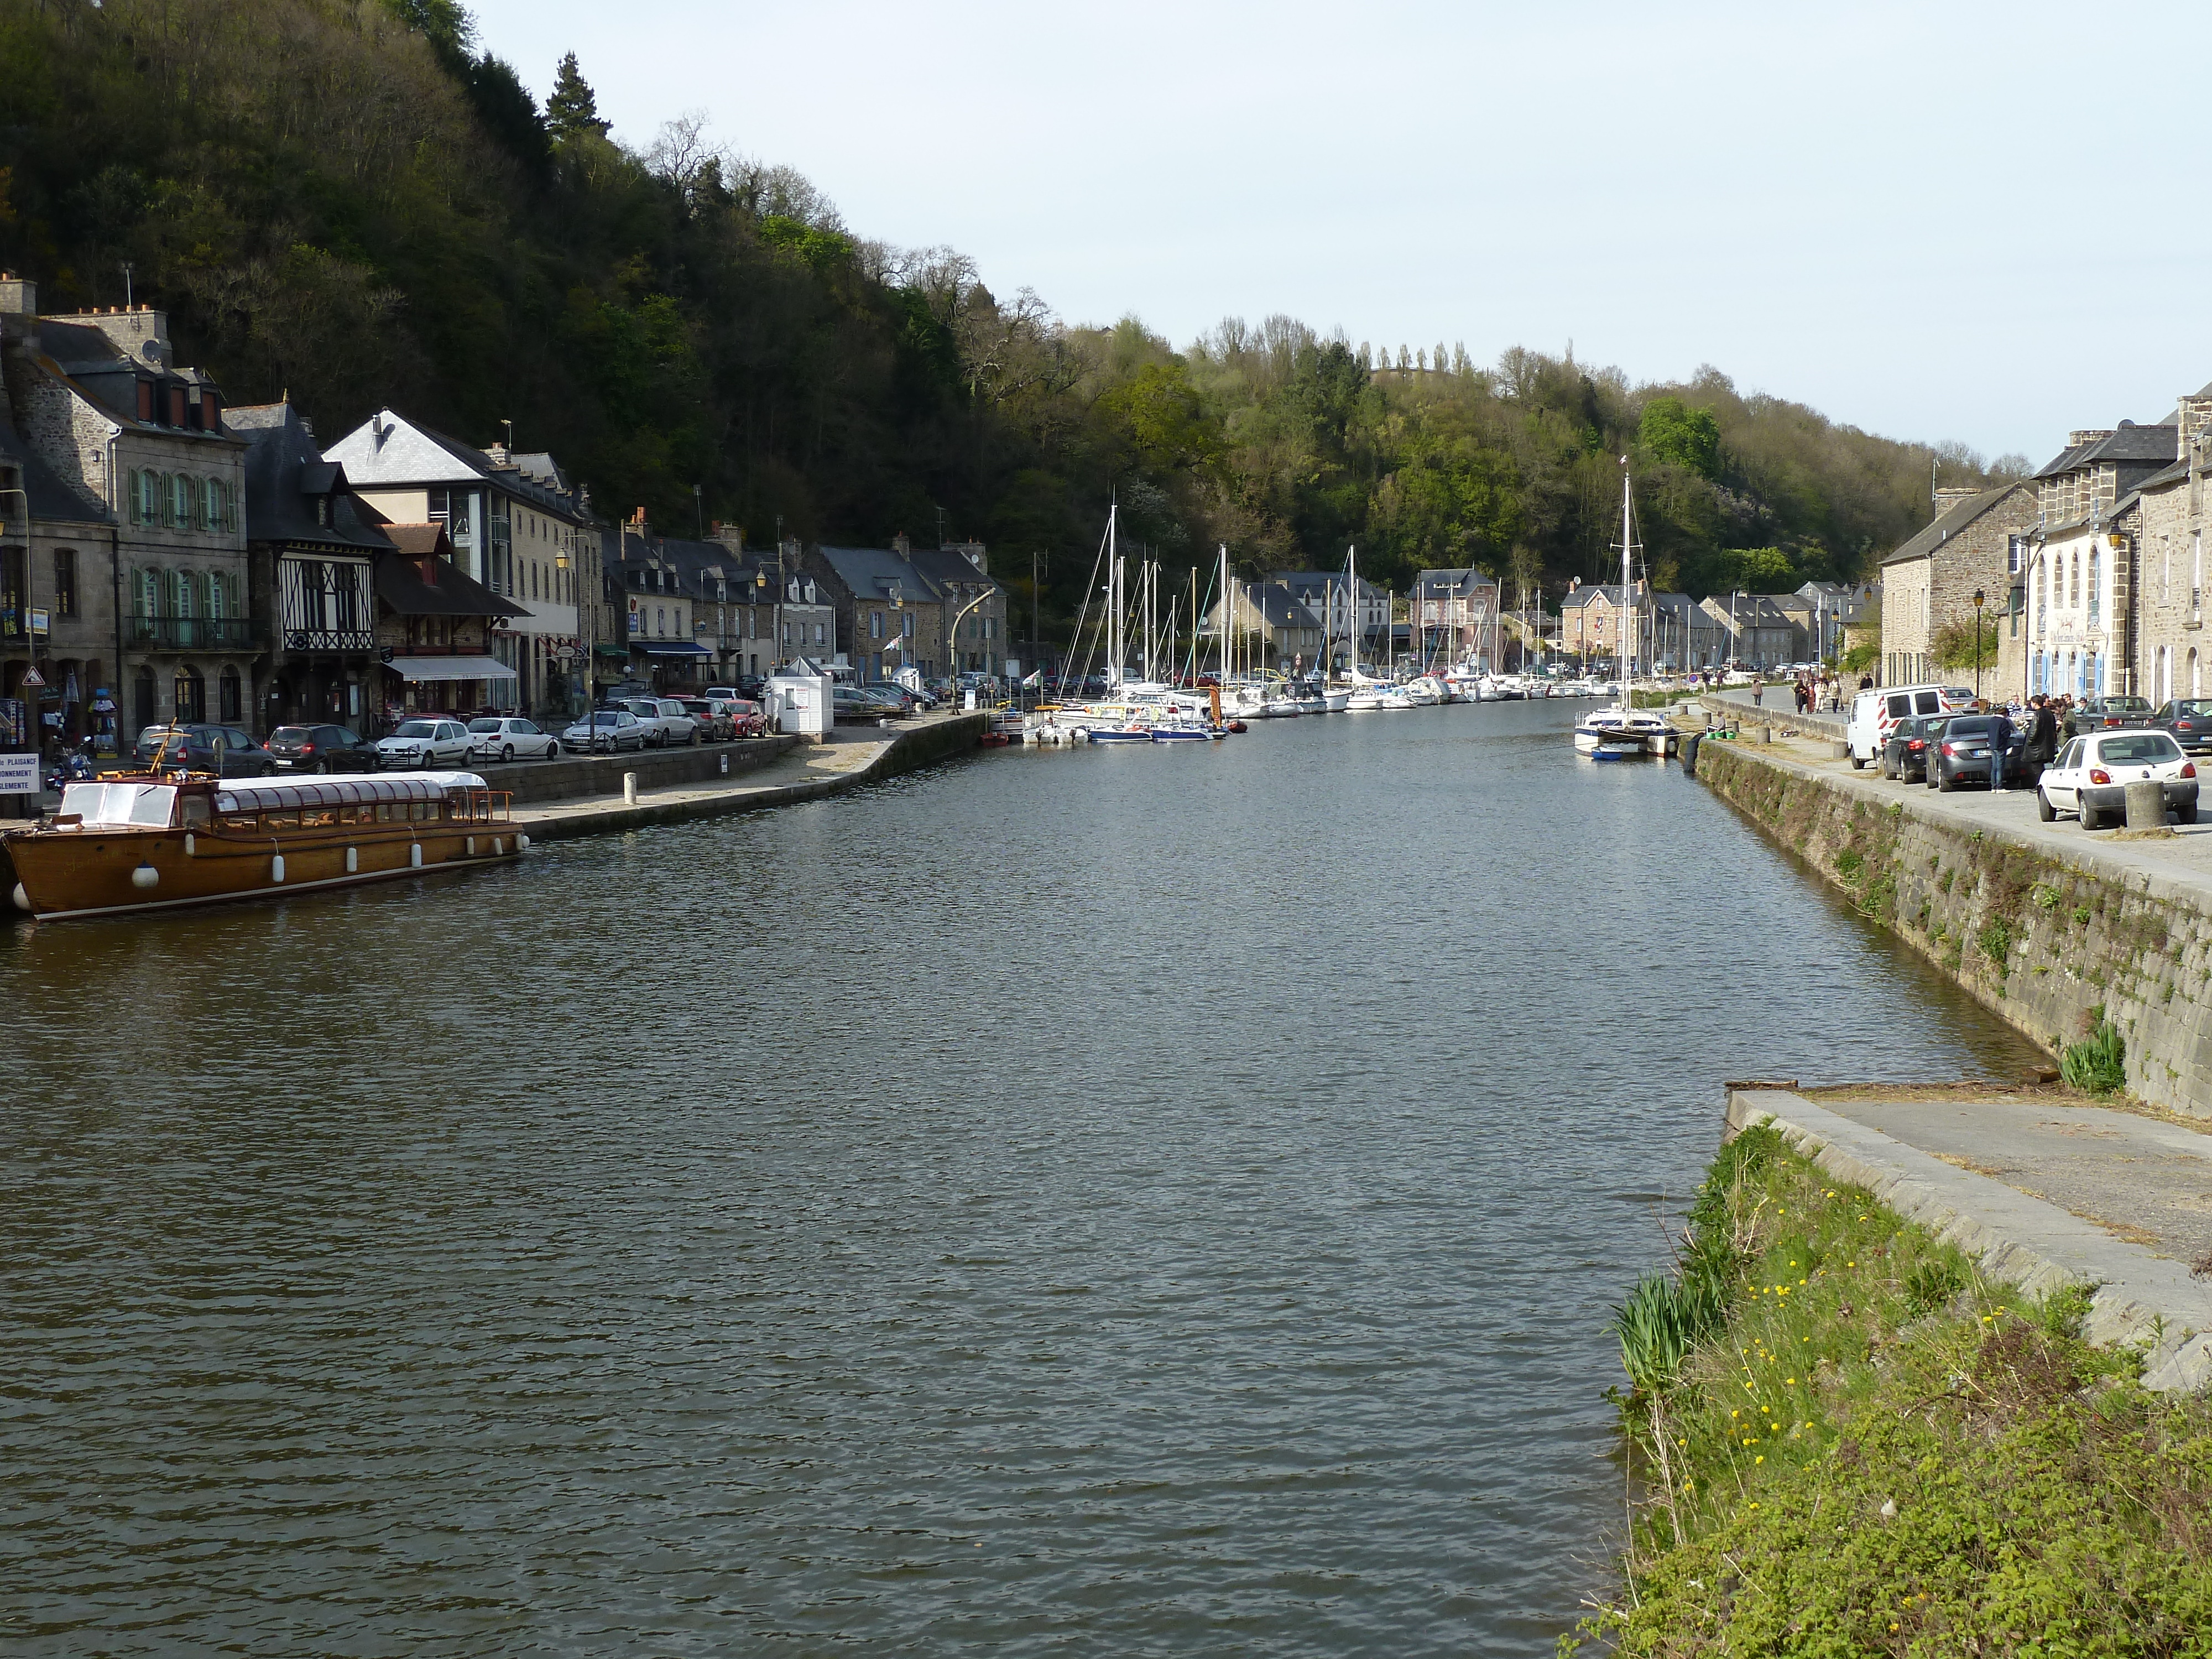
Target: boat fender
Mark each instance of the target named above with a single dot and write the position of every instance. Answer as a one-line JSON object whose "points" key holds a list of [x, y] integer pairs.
{"points": [[353, 860], [191, 848], [498, 848], [21, 899], [472, 845], [1081, 734], [415, 856], [522, 843], [144, 876], [277, 868]]}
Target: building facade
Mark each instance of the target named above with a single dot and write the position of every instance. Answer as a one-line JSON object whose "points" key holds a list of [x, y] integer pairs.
{"points": [[519, 528], [1977, 544]]}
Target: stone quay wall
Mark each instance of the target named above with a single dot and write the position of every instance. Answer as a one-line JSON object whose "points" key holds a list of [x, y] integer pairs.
{"points": [[2043, 941]]}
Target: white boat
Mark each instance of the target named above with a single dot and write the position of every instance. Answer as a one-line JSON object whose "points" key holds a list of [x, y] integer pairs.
{"points": [[1424, 692], [1621, 731]]}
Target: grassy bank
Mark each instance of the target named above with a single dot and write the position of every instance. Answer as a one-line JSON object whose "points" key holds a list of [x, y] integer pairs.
{"points": [[1853, 1445]]}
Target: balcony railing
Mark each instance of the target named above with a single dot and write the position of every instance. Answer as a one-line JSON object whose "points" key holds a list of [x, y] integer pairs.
{"points": [[188, 633], [330, 639]]}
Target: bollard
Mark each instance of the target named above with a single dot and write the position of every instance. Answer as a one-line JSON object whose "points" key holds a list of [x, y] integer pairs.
{"points": [[629, 788], [2147, 805], [1766, 735], [1839, 750]]}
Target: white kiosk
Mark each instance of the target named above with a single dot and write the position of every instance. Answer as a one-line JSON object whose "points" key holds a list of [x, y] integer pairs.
{"points": [[805, 700]]}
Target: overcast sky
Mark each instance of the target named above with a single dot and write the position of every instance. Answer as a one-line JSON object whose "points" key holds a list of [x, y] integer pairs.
{"points": [[1966, 220]]}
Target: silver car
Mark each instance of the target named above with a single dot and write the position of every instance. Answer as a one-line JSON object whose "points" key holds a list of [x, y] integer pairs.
{"points": [[604, 732]]}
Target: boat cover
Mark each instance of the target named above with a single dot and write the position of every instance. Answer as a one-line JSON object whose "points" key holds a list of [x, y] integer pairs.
{"points": [[350, 789]]}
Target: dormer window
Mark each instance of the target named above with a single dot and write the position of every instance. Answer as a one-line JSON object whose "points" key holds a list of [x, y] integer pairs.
{"points": [[146, 400], [176, 405]]}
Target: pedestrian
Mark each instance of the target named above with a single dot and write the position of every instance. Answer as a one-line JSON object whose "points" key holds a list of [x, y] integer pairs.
{"points": [[1758, 691], [1866, 682], [2043, 735]]}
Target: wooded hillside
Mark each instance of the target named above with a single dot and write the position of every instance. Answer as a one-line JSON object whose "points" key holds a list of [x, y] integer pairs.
{"points": [[342, 199]]}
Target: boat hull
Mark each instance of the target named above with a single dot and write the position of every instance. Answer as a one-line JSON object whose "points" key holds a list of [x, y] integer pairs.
{"points": [[77, 875]]}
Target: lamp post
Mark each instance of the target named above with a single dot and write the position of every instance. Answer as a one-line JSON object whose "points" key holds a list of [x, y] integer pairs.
{"points": [[1980, 600]]}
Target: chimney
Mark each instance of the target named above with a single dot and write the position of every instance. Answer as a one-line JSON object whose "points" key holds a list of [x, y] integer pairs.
{"points": [[1947, 499], [900, 545], [2075, 440], [18, 295], [2193, 417], [732, 536]]}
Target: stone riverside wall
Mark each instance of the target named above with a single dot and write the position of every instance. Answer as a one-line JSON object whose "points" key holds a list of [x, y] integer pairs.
{"points": [[568, 776], [2043, 939]]}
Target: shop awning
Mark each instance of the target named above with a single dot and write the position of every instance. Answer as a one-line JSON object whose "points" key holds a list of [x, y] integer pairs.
{"points": [[619, 651], [670, 648], [418, 669]]}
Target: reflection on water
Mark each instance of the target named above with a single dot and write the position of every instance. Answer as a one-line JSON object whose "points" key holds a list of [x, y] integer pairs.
{"points": [[1116, 1202]]}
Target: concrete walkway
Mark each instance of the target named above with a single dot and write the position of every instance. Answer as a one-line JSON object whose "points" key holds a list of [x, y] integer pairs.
{"points": [[2042, 1190], [853, 755]]}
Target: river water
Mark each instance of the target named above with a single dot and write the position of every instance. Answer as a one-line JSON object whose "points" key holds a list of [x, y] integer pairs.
{"points": [[1115, 1202]]}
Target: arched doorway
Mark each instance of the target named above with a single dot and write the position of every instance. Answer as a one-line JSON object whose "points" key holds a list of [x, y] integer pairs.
{"points": [[230, 699], [192, 696], [145, 703]]}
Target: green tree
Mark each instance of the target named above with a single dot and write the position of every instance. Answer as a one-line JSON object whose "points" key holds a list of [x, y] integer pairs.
{"points": [[572, 110], [1681, 435]]}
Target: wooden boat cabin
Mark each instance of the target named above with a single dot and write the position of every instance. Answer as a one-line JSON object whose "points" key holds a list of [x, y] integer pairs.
{"points": [[152, 842]]}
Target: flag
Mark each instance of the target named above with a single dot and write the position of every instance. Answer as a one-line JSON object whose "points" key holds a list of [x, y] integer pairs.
{"points": [[1034, 680]]}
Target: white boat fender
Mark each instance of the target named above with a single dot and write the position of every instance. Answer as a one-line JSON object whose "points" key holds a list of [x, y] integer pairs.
{"points": [[353, 860], [21, 899], [275, 869], [415, 856], [144, 877], [522, 843]]}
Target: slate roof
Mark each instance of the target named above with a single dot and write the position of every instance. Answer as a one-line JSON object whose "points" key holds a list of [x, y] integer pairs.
{"points": [[1275, 605], [944, 565], [453, 592], [2128, 442], [1303, 582], [52, 497], [1576, 598], [1963, 513], [1464, 583], [285, 473], [389, 450], [869, 571]]}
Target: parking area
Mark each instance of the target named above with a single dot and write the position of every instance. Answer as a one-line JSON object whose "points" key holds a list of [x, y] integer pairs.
{"points": [[2184, 853]]}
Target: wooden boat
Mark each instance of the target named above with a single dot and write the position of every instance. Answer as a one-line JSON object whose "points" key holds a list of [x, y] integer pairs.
{"points": [[157, 841]]}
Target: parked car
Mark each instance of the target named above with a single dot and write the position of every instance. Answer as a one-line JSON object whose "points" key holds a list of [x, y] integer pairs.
{"points": [[510, 737], [849, 703], [1985, 748], [604, 732], [192, 746], [1872, 713], [2092, 776], [2106, 714], [321, 749], [2188, 721], [714, 723], [425, 742], [664, 721], [744, 715], [1905, 750], [895, 698]]}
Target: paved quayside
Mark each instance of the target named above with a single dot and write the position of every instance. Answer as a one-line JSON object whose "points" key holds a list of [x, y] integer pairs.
{"points": [[853, 755], [2043, 1191]]}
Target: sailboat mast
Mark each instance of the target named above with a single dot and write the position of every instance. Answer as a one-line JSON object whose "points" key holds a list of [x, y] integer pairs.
{"points": [[1627, 592], [1114, 597]]}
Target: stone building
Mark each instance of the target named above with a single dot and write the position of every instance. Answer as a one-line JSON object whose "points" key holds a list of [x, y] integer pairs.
{"points": [[1346, 609], [154, 522], [1974, 543], [936, 611], [972, 606], [1271, 626], [55, 568], [2078, 567], [1454, 614], [311, 551], [2159, 531], [1754, 630]]}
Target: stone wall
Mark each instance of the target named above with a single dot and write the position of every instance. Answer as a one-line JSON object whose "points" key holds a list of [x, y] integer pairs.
{"points": [[2042, 939]]}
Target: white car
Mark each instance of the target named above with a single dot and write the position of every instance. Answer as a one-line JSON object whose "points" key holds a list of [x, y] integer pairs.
{"points": [[428, 744], [2091, 776], [509, 737]]}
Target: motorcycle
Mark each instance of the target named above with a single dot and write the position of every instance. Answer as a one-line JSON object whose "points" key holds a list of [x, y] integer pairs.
{"points": [[75, 766]]}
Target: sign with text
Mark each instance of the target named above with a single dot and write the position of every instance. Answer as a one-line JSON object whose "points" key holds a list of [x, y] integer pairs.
{"points": [[19, 775]]}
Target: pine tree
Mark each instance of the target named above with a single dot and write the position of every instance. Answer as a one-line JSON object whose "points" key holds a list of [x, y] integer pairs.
{"points": [[572, 110]]}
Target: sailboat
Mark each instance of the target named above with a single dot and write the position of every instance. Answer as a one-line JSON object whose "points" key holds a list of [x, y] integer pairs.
{"points": [[1621, 732]]}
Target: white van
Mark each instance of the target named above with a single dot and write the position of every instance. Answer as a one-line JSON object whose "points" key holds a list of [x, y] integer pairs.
{"points": [[1872, 713]]}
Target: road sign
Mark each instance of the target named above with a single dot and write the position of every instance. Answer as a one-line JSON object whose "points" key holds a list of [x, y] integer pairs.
{"points": [[32, 678], [19, 775]]}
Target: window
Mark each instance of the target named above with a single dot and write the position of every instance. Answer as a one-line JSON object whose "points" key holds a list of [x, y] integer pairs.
{"points": [[180, 495], [2096, 562], [2042, 597], [191, 696], [875, 624], [65, 581], [2016, 555], [2073, 583], [231, 698]]}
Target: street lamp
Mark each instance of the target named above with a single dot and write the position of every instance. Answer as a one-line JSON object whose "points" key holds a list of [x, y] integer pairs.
{"points": [[1980, 600]]}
